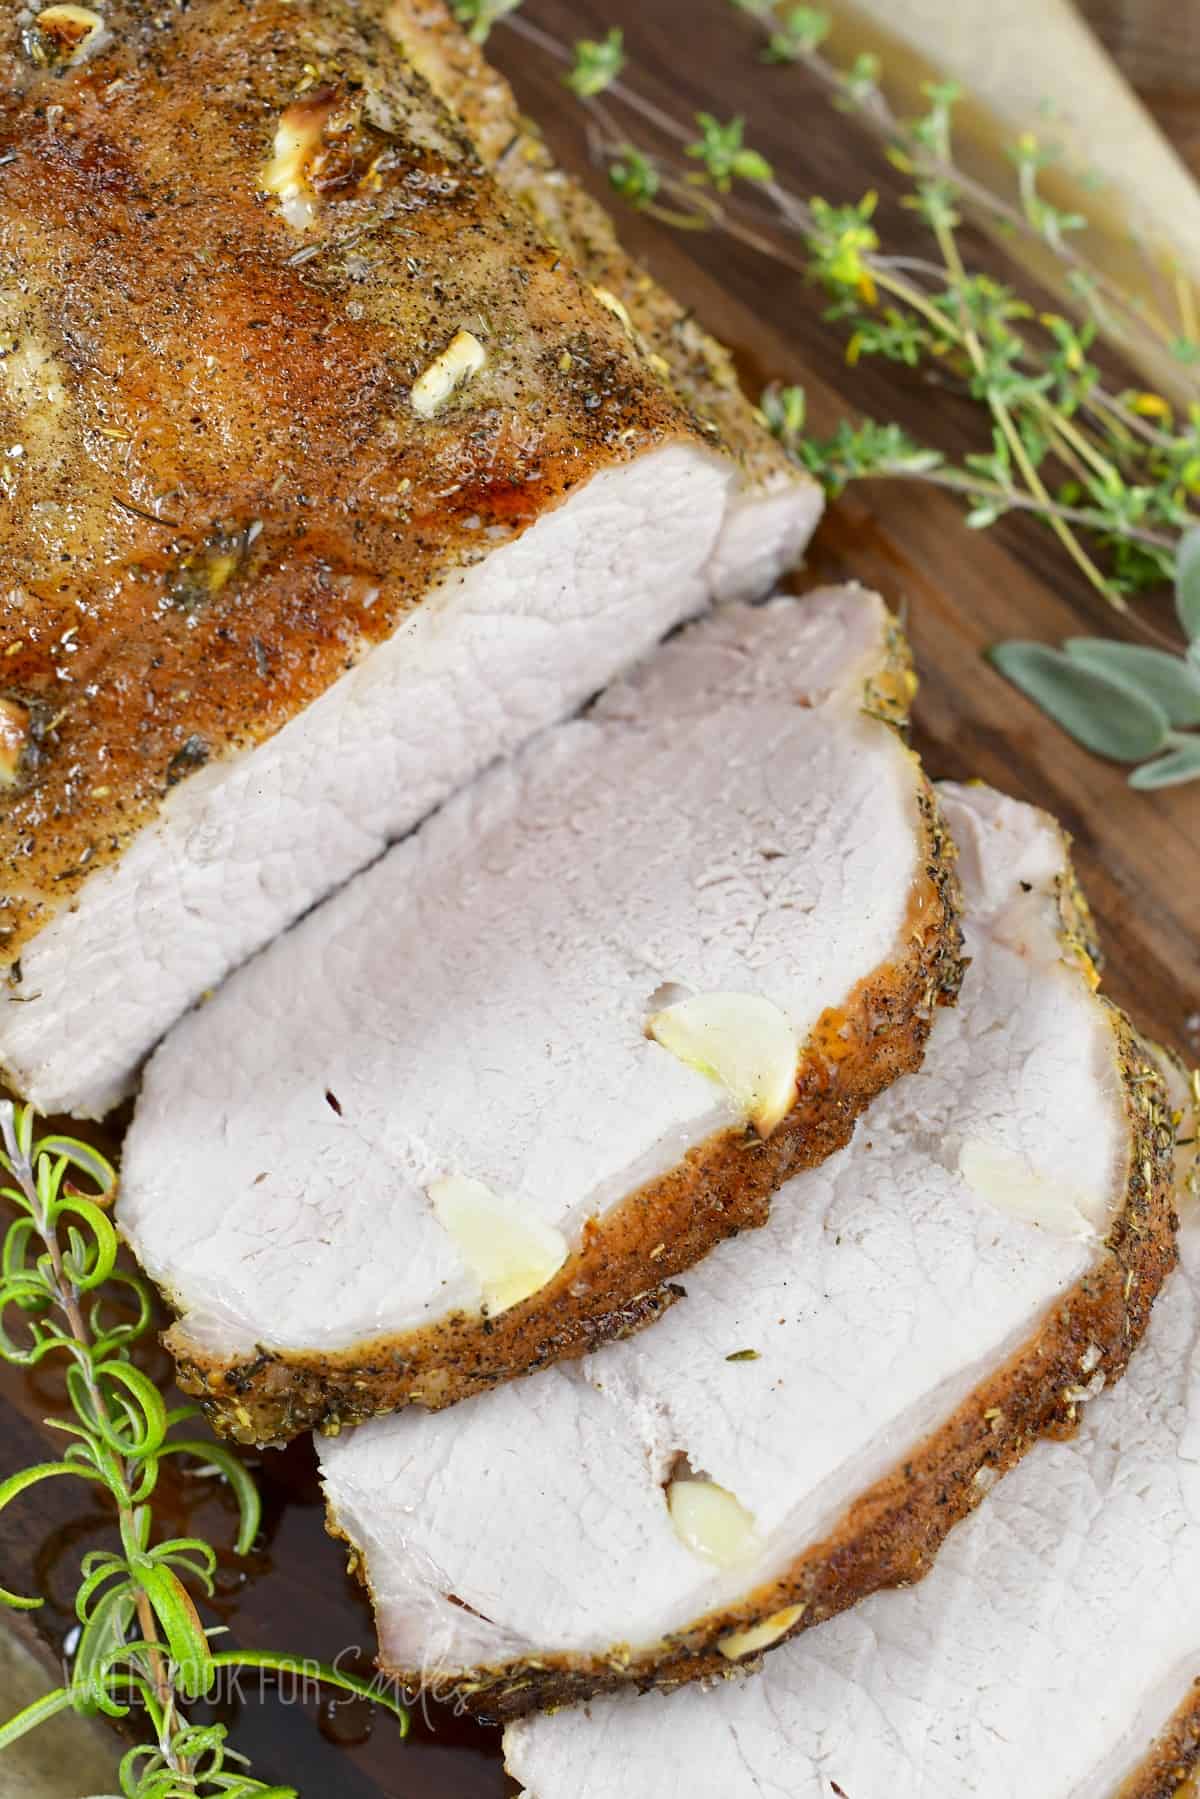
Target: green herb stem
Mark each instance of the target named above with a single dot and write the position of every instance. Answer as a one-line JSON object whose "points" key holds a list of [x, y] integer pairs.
{"points": [[61, 1248]]}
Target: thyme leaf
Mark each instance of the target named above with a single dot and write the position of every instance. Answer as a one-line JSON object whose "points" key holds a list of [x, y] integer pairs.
{"points": [[724, 154], [597, 64]]}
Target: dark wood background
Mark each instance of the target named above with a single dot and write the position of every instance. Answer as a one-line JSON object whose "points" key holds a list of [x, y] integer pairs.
{"points": [[1139, 855], [1157, 45]]}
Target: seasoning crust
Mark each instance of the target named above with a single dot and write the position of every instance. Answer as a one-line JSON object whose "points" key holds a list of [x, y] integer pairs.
{"points": [[219, 492], [698, 368]]}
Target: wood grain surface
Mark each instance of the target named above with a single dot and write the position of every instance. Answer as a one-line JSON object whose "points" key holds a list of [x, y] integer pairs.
{"points": [[1139, 855], [1156, 44]]}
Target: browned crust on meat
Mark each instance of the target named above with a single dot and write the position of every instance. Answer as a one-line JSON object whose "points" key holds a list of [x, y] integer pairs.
{"points": [[699, 369], [231, 499], [621, 1277], [1170, 1769], [890, 1535]]}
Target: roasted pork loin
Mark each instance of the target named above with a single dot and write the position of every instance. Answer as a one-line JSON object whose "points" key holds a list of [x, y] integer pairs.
{"points": [[775, 506], [1043, 1654], [327, 481], [837, 1390], [454, 1126]]}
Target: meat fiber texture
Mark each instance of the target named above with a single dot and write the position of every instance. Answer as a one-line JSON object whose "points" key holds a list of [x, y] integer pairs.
{"points": [[737, 817], [775, 507], [1042, 1654], [836, 1390], [335, 482]]}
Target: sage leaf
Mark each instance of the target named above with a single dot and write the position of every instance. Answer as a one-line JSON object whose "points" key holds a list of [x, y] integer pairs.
{"points": [[1187, 584], [1172, 682], [1171, 770], [1106, 716]]}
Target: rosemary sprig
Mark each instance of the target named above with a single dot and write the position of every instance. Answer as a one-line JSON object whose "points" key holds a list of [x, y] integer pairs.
{"points": [[142, 1643], [1114, 474]]}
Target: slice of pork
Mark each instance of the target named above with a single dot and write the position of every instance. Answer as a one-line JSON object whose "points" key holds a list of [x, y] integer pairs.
{"points": [[736, 820], [836, 1391], [336, 482], [1043, 1654], [776, 505]]}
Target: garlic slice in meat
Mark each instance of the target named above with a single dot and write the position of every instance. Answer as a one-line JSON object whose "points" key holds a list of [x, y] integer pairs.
{"points": [[510, 1254], [1006, 1181], [462, 358], [741, 1040], [760, 1636], [711, 1522]]}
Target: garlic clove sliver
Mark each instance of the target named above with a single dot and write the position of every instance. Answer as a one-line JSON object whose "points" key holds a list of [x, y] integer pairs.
{"points": [[462, 359], [298, 138], [760, 1636], [15, 736], [70, 34], [741, 1040], [1006, 1181], [711, 1522], [510, 1254]]}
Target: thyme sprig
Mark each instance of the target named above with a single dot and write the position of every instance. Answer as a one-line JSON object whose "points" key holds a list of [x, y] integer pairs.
{"points": [[142, 1645], [597, 64], [1063, 445], [1113, 473], [796, 35]]}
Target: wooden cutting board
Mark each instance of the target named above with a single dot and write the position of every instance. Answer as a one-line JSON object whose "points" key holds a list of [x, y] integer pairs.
{"points": [[1138, 855]]}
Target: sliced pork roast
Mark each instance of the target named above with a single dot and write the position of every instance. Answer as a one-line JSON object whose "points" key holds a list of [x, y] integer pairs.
{"points": [[1043, 1654], [327, 481], [836, 1391], [776, 505], [474, 1113]]}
